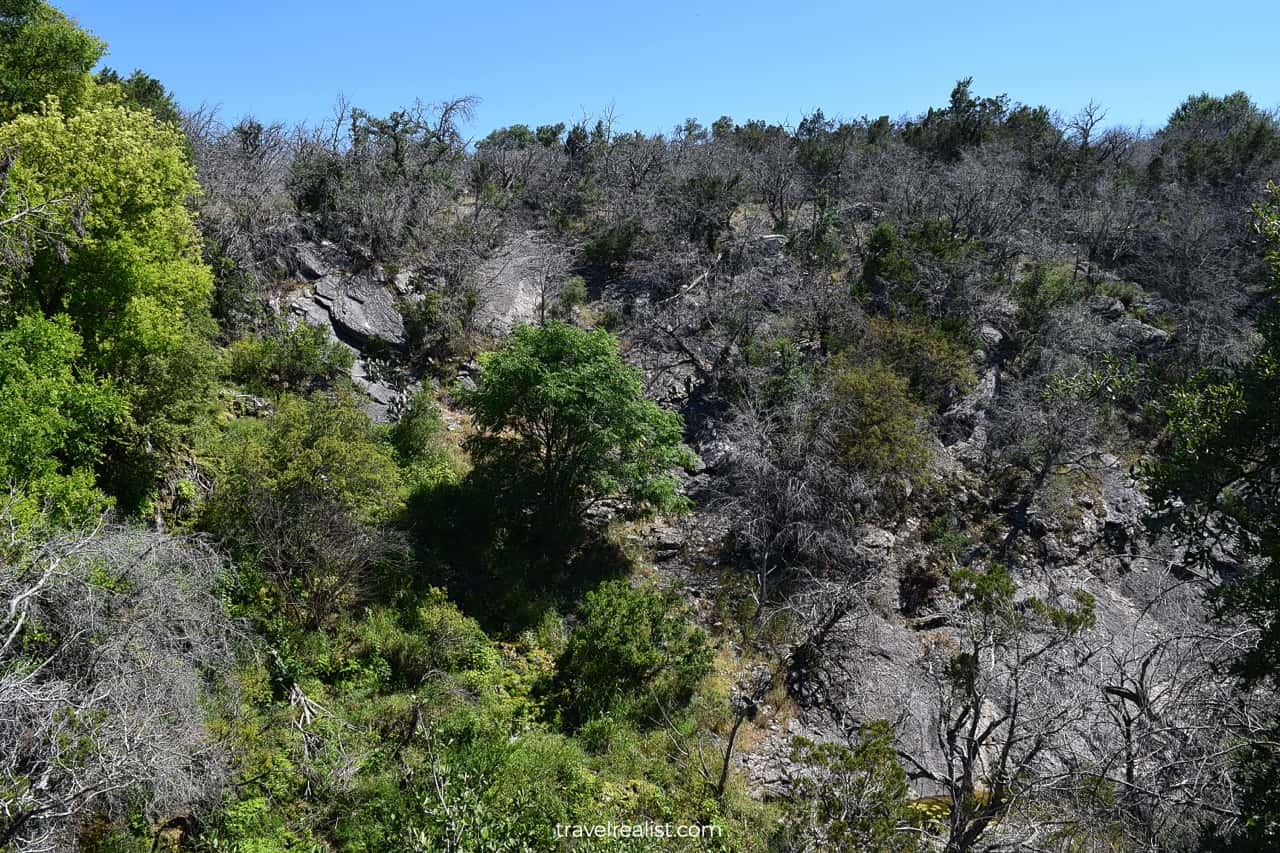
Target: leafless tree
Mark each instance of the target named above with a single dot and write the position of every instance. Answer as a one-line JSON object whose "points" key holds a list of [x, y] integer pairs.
{"points": [[110, 639], [1006, 701], [795, 512]]}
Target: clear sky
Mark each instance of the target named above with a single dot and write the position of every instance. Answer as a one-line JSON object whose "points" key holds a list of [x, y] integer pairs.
{"points": [[660, 61]]}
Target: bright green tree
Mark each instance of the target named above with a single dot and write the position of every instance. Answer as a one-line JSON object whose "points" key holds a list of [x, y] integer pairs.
{"points": [[43, 53], [130, 279], [55, 422], [563, 423]]}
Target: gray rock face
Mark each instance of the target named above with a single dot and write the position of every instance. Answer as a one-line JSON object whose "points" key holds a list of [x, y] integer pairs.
{"points": [[510, 282], [1141, 336], [307, 262], [360, 308], [964, 427]]}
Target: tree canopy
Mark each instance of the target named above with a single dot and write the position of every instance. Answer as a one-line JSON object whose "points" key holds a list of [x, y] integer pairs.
{"points": [[562, 423]]}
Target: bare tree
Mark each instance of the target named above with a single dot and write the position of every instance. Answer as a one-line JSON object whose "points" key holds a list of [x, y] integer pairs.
{"points": [[1005, 702], [110, 639], [795, 512]]}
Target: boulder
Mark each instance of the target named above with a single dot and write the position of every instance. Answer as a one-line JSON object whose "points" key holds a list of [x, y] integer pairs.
{"points": [[307, 263], [1106, 306], [361, 310]]}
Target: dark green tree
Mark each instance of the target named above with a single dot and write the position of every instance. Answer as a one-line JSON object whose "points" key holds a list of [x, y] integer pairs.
{"points": [[633, 647], [563, 423], [143, 91]]}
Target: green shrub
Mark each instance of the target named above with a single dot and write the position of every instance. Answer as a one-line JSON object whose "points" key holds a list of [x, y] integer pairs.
{"points": [[633, 647], [1043, 289], [609, 247], [878, 421], [419, 439], [937, 366], [300, 359], [854, 796], [434, 637], [883, 262], [1126, 291], [302, 495], [562, 421], [573, 293]]}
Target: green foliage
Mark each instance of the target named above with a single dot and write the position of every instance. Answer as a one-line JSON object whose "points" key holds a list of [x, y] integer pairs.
{"points": [[324, 445], [883, 262], [133, 285], [301, 495], [144, 92], [609, 247], [632, 648], [966, 122], [418, 437], [990, 593], [1220, 140], [300, 358], [1045, 288], [573, 293], [56, 421], [878, 420], [938, 367], [854, 797], [703, 205], [42, 54], [435, 327], [562, 422], [431, 639]]}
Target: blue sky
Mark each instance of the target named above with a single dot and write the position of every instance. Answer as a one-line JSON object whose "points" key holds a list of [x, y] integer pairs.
{"points": [[660, 61]]}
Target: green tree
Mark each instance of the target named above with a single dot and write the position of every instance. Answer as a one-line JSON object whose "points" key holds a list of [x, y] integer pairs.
{"points": [[132, 281], [1221, 140], [143, 91], [854, 796], [55, 422], [1219, 480], [301, 496], [633, 647], [43, 53], [563, 423]]}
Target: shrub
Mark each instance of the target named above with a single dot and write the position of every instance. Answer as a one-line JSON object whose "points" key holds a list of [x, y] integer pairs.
{"points": [[1042, 290], [937, 366], [435, 326], [418, 437], [854, 797], [609, 247], [633, 646], [301, 494], [883, 261], [302, 358], [878, 421], [573, 293]]}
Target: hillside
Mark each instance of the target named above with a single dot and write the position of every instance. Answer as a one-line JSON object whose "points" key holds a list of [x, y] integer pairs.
{"points": [[859, 484]]}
